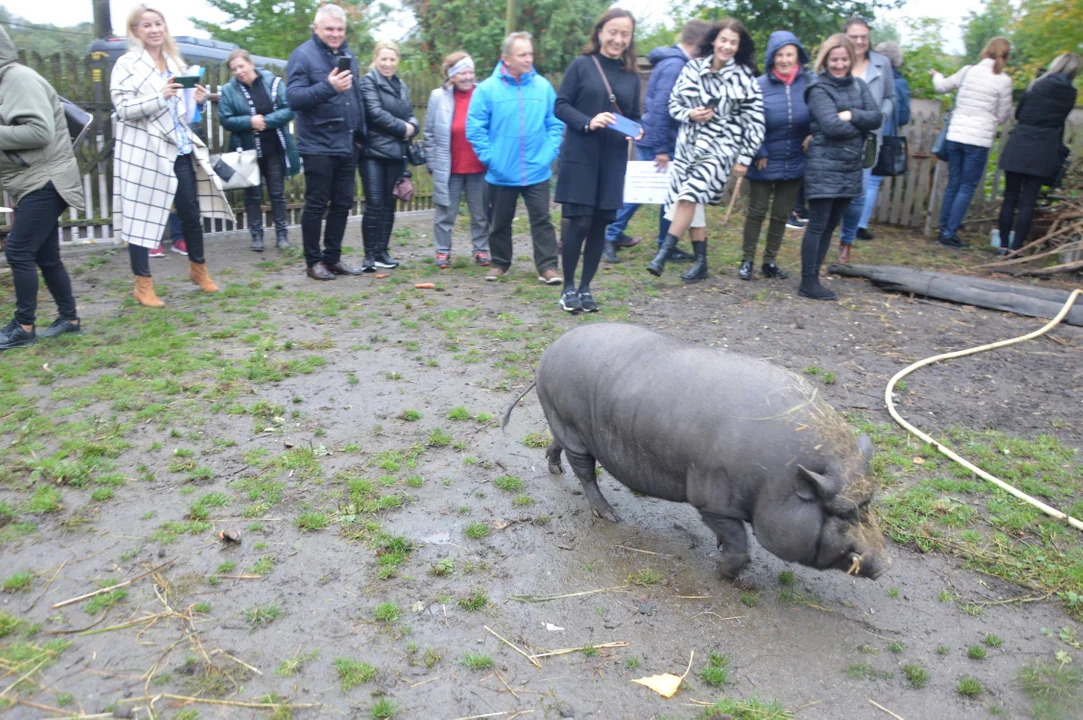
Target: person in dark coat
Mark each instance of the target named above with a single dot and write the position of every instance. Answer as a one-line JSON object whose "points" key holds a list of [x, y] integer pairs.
{"points": [[594, 158], [659, 141], [390, 122], [1035, 151], [843, 112], [779, 165]]}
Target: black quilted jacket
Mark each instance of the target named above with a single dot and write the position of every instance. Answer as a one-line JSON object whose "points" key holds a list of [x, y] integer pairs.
{"points": [[836, 151]]}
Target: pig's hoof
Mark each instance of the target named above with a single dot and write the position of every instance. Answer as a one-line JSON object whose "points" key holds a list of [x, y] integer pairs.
{"points": [[555, 468], [607, 514], [730, 565]]}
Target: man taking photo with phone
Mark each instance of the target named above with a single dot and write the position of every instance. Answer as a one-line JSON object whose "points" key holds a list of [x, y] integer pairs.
{"points": [[322, 89]]}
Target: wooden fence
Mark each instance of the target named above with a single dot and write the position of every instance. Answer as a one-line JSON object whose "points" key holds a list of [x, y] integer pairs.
{"points": [[912, 200]]}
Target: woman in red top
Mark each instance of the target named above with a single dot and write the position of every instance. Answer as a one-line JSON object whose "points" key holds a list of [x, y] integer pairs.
{"points": [[454, 167]]}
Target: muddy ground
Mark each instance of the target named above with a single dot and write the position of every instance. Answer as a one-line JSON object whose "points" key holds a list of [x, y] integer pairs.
{"points": [[305, 417]]}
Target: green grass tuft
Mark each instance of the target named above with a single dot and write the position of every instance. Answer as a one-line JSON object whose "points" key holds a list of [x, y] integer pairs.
{"points": [[716, 672], [352, 673]]}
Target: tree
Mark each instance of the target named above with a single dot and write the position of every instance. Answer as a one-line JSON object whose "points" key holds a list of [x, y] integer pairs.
{"points": [[993, 21], [560, 29], [924, 49], [46, 39], [273, 28], [1043, 30]]}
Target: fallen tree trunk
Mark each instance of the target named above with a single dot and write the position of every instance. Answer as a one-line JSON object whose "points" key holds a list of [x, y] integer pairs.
{"points": [[993, 294]]}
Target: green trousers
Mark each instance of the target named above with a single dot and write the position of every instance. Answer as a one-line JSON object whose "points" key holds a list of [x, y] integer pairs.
{"points": [[759, 197]]}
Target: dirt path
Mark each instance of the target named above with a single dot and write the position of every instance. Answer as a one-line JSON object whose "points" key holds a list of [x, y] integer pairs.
{"points": [[347, 431]]}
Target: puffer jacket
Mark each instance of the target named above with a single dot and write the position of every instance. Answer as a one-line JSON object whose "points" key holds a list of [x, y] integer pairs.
{"points": [[1037, 142], [983, 102], [387, 110], [35, 148], [235, 116], [785, 115], [836, 152], [659, 129]]}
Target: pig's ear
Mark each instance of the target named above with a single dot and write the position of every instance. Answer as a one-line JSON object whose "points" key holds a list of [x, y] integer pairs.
{"points": [[814, 486], [865, 446]]}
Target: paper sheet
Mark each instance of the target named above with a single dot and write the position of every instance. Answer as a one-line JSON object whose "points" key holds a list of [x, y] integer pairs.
{"points": [[643, 183]]}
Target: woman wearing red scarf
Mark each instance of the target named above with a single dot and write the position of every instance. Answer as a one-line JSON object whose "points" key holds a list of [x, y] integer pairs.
{"points": [[779, 165]]}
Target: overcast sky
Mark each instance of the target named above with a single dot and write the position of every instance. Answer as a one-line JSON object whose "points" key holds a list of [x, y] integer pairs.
{"points": [[67, 12]]}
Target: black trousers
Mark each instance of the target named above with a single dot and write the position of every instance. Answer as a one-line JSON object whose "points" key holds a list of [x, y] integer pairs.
{"points": [[330, 187], [588, 230], [186, 203], [378, 178], [536, 197], [1020, 192], [824, 216], [272, 170], [34, 242]]}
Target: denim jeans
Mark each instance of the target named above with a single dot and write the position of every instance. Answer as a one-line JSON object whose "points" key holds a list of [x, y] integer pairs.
{"points": [[1020, 192], [186, 207], [34, 242], [852, 216], [624, 215], [872, 191], [965, 166], [272, 168]]}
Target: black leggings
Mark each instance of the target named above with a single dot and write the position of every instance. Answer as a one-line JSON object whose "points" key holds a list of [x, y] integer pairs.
{"points": [[34, 243], [591, 230], [1019, 191], [823, 217], [186, 203], [378, 178]]}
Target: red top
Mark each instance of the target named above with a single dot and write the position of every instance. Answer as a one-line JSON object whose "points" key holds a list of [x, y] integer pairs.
{"points": [[464, 160]]}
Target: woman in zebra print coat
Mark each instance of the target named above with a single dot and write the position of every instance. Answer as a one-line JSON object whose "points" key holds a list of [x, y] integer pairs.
{"points": [[720, 107]]}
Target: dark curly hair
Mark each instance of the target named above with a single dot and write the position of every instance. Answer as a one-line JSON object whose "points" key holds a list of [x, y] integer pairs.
{"points": [[746, 50]]}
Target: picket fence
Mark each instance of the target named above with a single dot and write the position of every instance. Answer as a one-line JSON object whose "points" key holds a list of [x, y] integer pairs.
{"points": [[912, 200]]}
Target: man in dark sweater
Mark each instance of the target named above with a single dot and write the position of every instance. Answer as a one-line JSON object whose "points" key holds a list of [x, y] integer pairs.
{"points": [[659, 132]]}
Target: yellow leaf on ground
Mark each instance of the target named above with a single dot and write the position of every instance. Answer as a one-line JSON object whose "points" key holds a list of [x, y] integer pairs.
{"points": [[918, 461], [666, 684]]}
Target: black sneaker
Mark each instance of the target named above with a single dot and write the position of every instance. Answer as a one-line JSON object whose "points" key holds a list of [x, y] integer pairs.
{"points": [[13, 336], [586, 302], [745, 273], [569, 301], [813, 290], [368, 264], [864, 234], [62, 326], [795, 222], [952, 242], [383, 260]]}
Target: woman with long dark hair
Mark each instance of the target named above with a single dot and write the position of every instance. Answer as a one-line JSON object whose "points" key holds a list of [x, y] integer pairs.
{"points": [[598, 85], [720, 106]]}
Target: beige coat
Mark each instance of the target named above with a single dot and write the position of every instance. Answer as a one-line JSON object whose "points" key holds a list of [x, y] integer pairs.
{"points": [[145, 150]]}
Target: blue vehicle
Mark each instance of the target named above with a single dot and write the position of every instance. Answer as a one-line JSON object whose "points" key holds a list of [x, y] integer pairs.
{"points": [[198, 51]]}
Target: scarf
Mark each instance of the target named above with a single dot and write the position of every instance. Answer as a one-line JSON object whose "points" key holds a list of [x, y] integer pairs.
{"points": [[789, 77], [274, 106]]}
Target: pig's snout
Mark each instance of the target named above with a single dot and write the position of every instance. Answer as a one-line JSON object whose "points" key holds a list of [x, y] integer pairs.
{"points": [[870, 565]]}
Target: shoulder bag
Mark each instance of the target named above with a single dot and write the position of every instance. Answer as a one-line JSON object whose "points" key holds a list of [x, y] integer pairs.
{"points": [[940, 145], [237, 170], [613, 101]]}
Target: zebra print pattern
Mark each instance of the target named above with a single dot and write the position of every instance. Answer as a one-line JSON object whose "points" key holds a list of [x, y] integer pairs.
{"points": [[706, 152]]}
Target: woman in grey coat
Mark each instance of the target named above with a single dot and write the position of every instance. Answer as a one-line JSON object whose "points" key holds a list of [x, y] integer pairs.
{"points": [[455, 168]]}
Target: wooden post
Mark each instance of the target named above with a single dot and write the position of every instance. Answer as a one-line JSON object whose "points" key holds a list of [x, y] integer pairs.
{"points": [[509, 22]]}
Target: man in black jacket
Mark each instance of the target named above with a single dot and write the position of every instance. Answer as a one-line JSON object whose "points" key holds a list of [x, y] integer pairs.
{"points": [[330, 118]]}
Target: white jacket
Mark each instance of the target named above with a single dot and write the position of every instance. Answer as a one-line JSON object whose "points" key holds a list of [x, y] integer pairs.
{"points": [[983, 102]]}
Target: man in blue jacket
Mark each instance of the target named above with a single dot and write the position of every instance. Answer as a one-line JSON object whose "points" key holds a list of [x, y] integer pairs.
{"points": [[514, 133], [329, 116], [659, 132]]}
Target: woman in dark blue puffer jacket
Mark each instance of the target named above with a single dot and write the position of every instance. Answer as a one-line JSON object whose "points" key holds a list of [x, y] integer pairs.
{"points": [[779, 165]]}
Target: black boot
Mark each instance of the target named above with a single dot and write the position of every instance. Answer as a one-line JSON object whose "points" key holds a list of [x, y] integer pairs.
{"points": [[812, 289], [698, 271], [610, 254], [745, 273], [770, 270], [282, 240], [658, 264], [257, 242], [371, 237]]}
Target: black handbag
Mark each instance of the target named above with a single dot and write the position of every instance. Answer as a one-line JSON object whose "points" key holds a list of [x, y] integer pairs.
{"points": [[894, 155], [415, 154], [78, 119]]}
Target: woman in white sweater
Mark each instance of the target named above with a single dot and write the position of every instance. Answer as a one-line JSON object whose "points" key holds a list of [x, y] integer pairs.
{"points": [[983, 102]]}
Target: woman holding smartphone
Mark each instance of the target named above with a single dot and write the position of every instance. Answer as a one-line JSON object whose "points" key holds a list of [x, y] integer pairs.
{"points": [[159, 161], [599, 93], [720, 107]]}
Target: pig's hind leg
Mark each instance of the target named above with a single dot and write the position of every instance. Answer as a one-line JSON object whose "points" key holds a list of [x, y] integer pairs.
{"points": [[583, 465], [552, 454], [732, 541]]}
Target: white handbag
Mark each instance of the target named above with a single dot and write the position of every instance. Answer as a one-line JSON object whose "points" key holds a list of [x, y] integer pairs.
{"points": [[238, 170]]}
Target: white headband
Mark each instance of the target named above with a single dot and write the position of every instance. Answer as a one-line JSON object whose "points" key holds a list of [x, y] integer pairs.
{"points": [[467, 63]]}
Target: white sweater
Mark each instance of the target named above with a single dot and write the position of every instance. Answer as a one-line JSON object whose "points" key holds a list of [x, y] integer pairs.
{"points": [[983, 102]]}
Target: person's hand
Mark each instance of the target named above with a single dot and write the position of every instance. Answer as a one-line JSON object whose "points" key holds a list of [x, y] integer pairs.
{"points": [[410, 130], [701, 114], [340, 81], [661, 161], [171, 88], [200, 94], [804, 144], [602, 120], [846, 116], [761, 164], [639, 137], [258, 123], [739, 170]]}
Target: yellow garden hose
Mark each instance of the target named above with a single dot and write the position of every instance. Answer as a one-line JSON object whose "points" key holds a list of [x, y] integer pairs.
{"points": [[1053, 512]]}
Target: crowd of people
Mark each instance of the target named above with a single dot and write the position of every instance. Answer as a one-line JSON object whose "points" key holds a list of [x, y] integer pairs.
{"points": [[806, 140]]}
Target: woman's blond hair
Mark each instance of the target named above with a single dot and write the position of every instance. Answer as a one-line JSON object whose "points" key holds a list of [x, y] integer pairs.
{"points": [[838, 40], [998, 49], [169, 47], [384, 45]]}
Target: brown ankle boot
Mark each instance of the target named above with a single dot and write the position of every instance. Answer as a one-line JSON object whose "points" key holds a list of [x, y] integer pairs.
{"points": [[197, 273], [844, 254], [144, 293]]}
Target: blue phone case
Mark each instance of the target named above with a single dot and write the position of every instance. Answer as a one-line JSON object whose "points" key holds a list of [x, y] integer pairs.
{"points": [[625, 126]]}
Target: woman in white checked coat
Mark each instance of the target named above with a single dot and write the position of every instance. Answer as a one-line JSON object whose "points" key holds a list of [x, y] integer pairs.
{"points": [[159, 161], [720, 107]]}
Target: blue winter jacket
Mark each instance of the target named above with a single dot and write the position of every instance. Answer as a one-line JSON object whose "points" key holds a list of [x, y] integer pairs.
{"points": [[902, 104], [512, 128], [659, 129], [785, 115], [326, 120]]}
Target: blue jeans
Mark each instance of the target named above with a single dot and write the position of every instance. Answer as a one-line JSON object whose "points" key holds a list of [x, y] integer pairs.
{"points": [[965, 166], [851, 218], [872, 190], [624, 215], [175, 231]]}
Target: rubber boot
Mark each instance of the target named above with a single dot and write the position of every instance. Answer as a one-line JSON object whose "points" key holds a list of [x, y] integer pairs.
{"points": [[698, 271], [144, 292], [197, 273], [658, 264]]}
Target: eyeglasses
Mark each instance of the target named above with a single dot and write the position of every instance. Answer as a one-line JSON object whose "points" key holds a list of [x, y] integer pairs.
{"points": [[859, 37]]}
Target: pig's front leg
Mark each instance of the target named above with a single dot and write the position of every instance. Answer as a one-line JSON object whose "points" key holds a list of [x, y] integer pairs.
{"points": [[732, 541]]}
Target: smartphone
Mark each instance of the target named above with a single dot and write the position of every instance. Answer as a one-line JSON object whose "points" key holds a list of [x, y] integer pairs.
{"points": [[713, 103], [187, 81], [344, 64], [626, 127]]}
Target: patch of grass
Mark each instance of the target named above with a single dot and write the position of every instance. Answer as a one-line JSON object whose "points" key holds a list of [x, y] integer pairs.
{"points": [[716, 672], [106, 600], [632, 663], [786, 577], [752, 708], [169, 531], [203, 607], [864, 671], [474, 602], [477, 661], [383, 709], [430, 657], [975, 652], [226, 567], [440, 437], [19, 582], [387, 612], [1053, 690], [391, 552], [992, 640], [460, 414], [968, 686], [644, 578], [44, 501], [509, 483], [311, 521], [750, 599], [288, 668], [943, 650], [895, 646], [264, 565], [916, 675], [477, 530], [443, 567], [352, 673], [9, 624], [260, 616], [410, 415], [537, 440], [522, 500]]}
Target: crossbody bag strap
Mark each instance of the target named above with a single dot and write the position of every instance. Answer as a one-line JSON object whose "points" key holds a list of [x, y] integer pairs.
{"points": [[252, 112], [608, 89]]}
